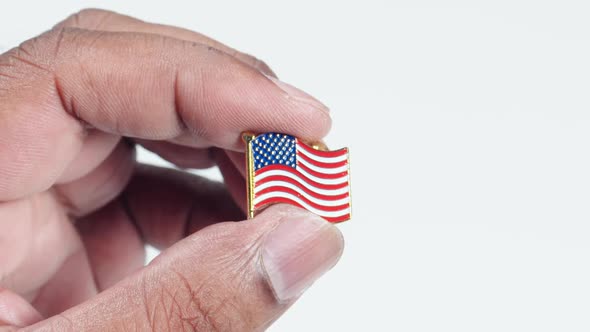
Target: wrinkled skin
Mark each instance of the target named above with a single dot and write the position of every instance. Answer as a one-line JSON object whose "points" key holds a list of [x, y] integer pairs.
{"points": [[76, 209]]}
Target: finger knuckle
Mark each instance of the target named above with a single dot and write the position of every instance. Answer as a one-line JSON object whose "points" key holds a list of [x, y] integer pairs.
{"points": [[88, 18], [40, 54], [29, 57], [93, 12], [24, 65]]}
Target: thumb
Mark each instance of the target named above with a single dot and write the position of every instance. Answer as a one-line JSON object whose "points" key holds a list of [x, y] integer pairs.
{"points": [[227, 277]]}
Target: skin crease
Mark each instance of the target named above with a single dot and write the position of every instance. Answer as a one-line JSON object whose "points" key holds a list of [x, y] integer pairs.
{"points": [[76, 209]]}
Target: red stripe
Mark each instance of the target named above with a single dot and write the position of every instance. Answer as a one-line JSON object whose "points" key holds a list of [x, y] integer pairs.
{"points": [[298, 194], [321, 164], [298, 174], [307, 190], [274, 200], [321, 175], [338, 219], [326, 154], [330, 219]]}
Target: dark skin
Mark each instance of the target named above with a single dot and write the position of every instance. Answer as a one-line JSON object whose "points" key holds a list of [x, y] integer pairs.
{"points": [[76, 209]]}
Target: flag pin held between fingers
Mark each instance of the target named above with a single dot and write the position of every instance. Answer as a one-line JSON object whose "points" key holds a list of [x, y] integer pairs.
{"points": [[283, 169]]}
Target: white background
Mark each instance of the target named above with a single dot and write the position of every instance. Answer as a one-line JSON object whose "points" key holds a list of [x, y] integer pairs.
{"points": [[468, 124]]}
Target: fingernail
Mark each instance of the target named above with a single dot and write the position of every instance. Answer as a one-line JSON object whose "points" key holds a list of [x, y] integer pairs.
{"points": [[298, 95], [299, 251]]}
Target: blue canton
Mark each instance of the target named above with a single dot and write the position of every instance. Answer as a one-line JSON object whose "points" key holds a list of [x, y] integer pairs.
{"points": [[272, 149]]}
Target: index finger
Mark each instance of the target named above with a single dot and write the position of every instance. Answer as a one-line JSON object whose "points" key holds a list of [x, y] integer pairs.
{"points": [[104, 20], [137, 85]]}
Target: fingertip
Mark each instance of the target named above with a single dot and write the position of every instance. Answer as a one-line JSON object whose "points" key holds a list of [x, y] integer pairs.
{"points": [[298, 251], [298, 95], [305, 116], [232, 98]]}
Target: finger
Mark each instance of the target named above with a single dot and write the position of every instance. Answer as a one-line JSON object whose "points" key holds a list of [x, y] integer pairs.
{"points": [[104, 20], [29, 256], [181, 156], [16, 311], [41, 256], [234, 181], [114, 247], [160, 206], [228, 277], [166, 205], [101, 185], [70, 285], [131, 84], [96, 147], [238, 159]]}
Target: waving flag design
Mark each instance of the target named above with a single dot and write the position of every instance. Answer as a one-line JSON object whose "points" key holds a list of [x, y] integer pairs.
{"points": [[286, 170]]}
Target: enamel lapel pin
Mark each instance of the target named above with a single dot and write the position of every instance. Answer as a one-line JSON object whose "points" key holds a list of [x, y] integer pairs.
{"points": [[283, 169]]}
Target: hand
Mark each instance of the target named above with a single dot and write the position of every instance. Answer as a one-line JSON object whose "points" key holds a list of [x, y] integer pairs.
{"points": [[76, 209]]}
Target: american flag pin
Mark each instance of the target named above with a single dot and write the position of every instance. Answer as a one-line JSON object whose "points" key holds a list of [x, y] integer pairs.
{"points": [[283, 169]]}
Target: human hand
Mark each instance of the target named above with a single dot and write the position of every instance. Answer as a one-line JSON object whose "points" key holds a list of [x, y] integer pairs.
{"points": [[76, 209]]}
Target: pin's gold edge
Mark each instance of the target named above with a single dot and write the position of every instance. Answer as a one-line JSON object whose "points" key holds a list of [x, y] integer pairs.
{"points": [[248, 138], [349, 183]]}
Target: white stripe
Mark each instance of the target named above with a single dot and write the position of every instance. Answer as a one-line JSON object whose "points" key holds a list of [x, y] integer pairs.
{"points": [[330, 214], [303, 193], [324, 170], [339, 180], [322, 159], [265, 174], [329, 192]]}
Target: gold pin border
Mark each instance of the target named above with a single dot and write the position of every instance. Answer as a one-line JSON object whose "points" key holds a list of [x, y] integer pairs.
{"points": [[248, 138]]}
